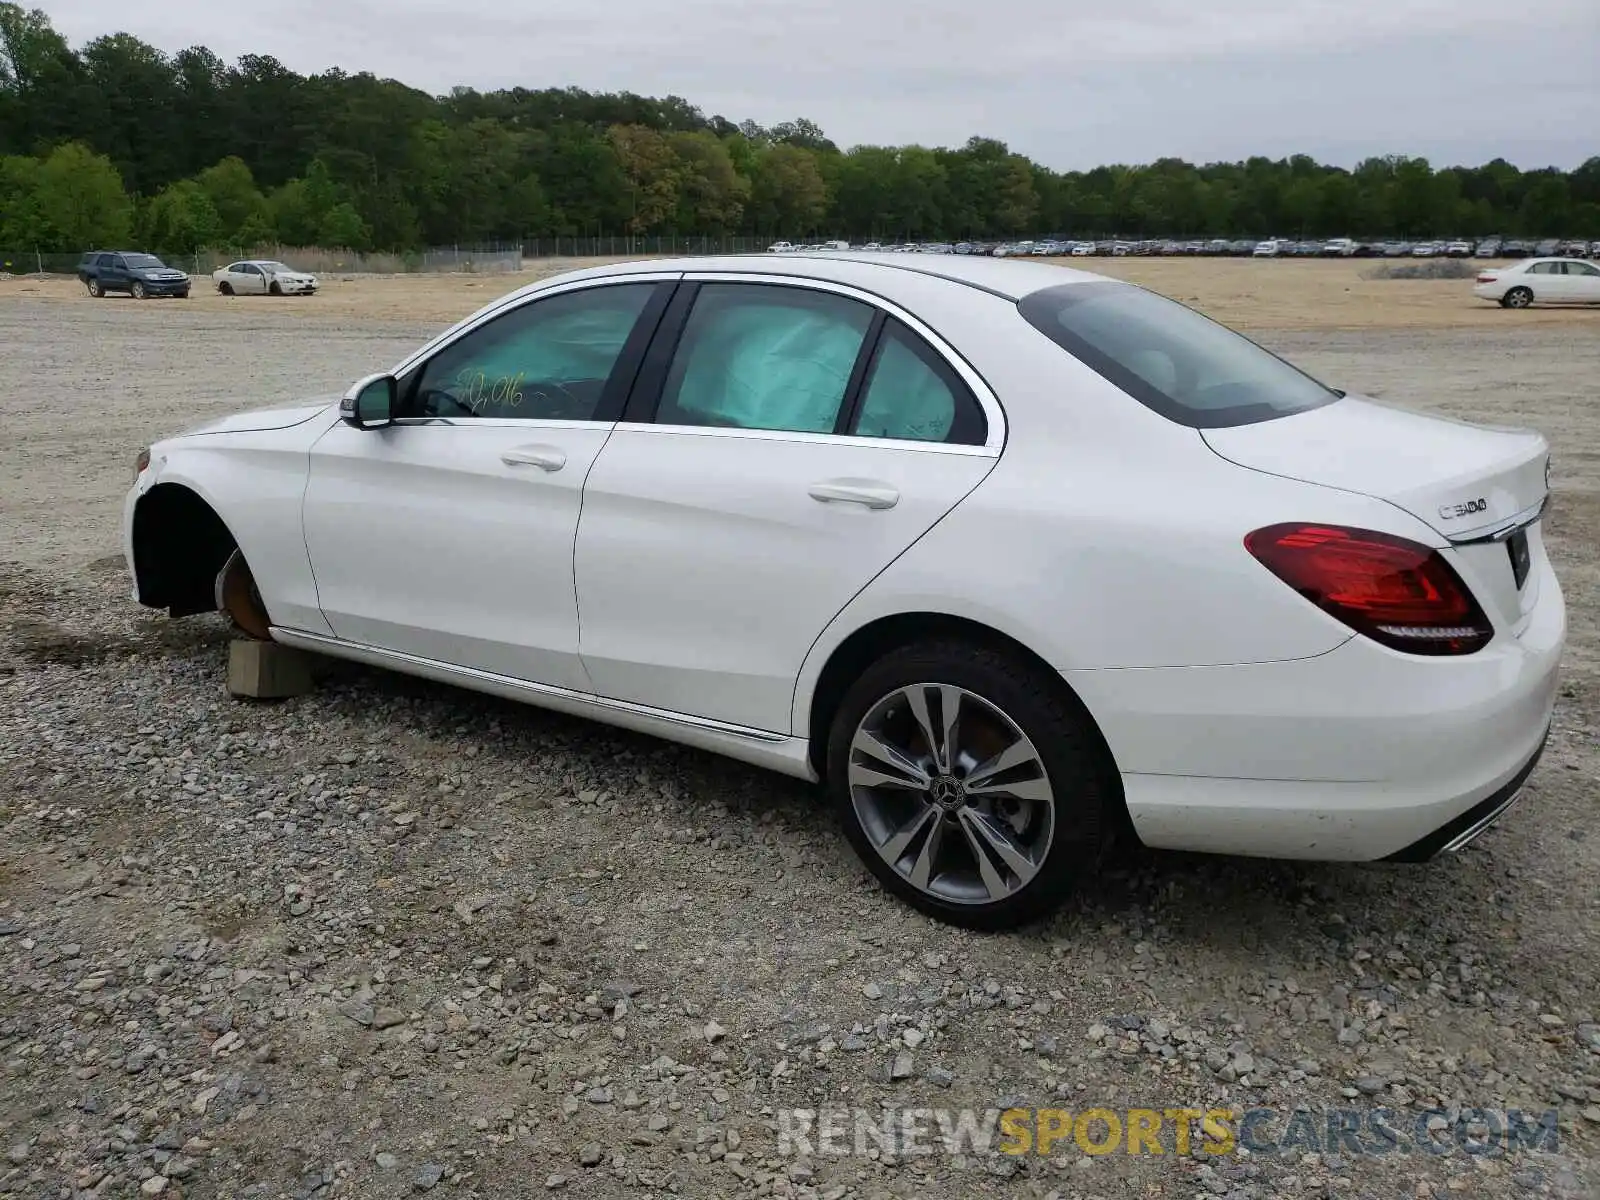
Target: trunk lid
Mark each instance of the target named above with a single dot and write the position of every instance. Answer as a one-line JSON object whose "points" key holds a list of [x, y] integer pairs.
{"points": [[1481, 488], [1464, 481]]}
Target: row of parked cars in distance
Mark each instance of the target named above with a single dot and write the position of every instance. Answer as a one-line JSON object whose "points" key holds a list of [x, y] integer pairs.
{"points": [[1225, 247], [143, 276]]}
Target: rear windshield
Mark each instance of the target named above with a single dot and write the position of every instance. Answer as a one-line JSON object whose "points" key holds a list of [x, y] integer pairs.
{"points": [[1185, 366]]}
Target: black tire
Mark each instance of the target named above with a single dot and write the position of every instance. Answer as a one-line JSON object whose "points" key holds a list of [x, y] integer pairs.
{"points": [[276, 289], [1517, 297], [225, 288], [1082, 788], [138, 291], [95, 289]]}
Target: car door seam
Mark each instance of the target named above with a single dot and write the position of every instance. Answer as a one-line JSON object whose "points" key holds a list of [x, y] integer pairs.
{"points": [[876, 575]]}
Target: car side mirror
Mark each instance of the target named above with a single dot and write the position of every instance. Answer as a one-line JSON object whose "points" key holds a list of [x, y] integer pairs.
{"points": [[370, 404]]}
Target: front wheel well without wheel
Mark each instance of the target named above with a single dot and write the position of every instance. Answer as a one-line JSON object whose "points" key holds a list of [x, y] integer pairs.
{"points": [[179, 546], [887, 634]]}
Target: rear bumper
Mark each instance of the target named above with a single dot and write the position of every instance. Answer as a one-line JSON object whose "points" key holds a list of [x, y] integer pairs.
{"points": [[1469, 826], [1358, 754]]}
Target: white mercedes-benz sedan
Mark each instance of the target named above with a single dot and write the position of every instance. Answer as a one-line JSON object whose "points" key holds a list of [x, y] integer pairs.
{"points": [[1012, 558]]}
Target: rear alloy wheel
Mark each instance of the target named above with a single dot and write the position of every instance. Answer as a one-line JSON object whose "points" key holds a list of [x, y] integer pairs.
{"points": [[967, 784], [1517, 297], [139, 292], [225, 288]]}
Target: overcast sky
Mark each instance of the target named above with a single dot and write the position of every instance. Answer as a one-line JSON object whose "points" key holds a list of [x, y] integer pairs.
{"points": [[1069, 83]]}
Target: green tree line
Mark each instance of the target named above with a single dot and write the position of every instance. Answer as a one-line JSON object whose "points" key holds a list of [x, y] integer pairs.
{"points": [[117, 142]]}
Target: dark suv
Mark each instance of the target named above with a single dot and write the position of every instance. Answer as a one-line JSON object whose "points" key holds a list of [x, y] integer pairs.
{"points": [[140, 275]]}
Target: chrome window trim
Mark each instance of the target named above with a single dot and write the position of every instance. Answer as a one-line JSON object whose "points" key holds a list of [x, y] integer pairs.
{"points": [[795, 435], [993, 412], [499, 423]]}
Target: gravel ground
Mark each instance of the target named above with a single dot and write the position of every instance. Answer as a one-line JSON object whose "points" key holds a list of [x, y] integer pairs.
{"points": [[394, 938]]}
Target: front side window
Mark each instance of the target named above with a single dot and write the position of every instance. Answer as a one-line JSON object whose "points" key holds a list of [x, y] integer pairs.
{"points": [[1167, 356], [764, 356], [547, 360], [912, 394]]}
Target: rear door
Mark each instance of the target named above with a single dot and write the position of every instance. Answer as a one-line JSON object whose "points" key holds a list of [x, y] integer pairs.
{"points": [[786, 442], [1580, 282]]}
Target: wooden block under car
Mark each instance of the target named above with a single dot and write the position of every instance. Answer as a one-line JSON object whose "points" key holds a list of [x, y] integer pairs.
{"points": [[267, 671]]}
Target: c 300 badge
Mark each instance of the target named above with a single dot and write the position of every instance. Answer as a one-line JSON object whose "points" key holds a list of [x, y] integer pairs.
{"points": [[1467, 508]]}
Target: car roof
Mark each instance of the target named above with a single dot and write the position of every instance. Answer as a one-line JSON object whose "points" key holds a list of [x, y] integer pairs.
{"points": [[1009, 278]]}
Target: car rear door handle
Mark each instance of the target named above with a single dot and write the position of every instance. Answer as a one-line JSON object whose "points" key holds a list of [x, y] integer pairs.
{"points": [[547, 458], [865, 492]]}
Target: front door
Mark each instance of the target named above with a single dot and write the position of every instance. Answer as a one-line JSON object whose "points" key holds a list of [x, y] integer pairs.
{"points": [[449, 534], [780, 451]]}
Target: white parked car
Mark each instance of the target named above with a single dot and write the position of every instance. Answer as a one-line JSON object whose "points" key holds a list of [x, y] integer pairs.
{"points": [[263, 277], [1266, 249], [1540, 281], [1082, 249], [780, 248], [1012, 557]]}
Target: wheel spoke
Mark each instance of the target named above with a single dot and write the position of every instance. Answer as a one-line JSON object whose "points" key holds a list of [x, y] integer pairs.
{"points": [[950, 711], [1015, 755], [917, 698], [1027, 789], [992, 883], [907, 773], [980, 827], [922, 872], [893, 849]]}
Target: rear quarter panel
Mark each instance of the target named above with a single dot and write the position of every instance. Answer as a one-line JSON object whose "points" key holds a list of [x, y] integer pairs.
{"points": [[1107, 537]]}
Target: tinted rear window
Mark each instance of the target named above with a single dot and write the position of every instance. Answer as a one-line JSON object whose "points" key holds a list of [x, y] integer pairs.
{"points": [[1183, 365]]}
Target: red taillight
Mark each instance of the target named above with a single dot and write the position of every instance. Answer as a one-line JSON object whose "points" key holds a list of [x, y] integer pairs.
{"points": [[1487, 278], [1394, 590]]}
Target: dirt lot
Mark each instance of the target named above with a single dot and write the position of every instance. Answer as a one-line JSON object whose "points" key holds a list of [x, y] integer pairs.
{"points": [[393, 937]]}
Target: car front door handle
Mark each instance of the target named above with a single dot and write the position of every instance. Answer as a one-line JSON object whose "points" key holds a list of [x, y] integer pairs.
{"points": [[547, 458], [866, 492]]}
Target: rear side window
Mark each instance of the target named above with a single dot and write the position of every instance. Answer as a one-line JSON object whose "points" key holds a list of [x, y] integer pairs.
{"points": [[1171, 359], [912, 394]]}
